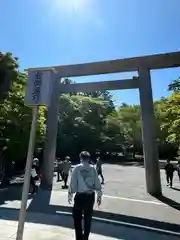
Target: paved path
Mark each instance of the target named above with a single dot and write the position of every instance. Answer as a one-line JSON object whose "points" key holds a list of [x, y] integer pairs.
{"points": [[130, 182], [126, 206]]}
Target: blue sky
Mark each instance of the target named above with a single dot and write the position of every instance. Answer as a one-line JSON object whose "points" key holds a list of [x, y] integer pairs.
{"points": [[56, 32]]}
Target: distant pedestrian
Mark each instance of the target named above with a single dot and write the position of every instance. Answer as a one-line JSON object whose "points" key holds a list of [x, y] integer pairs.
{"points": [[66, 166], [59, 170], [11, 170], [34, 175], [99, 169], [178, 170], [169, 170], [84, 182]]}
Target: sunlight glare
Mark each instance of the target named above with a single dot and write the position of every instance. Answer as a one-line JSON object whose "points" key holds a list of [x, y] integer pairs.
{"points": [[72, 5]]}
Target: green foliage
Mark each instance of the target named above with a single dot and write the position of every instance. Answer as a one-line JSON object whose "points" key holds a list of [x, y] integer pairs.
{"points": [[8, 72], [175, 85], [112, 137], [81, 121], [172, 123], [15, 122], [129, 117]]}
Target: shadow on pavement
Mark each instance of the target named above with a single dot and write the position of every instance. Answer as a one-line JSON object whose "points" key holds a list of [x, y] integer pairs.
{"points": [[60, 216], [13, 190], [169, 202], [176, 189], [41, 204], [40, 201], [106, 216], [11, 193], [41, 212], [137, 163]]}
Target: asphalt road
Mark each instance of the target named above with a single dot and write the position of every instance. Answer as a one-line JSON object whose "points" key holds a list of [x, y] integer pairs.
{"points": [[129, 182], [126, 199]]}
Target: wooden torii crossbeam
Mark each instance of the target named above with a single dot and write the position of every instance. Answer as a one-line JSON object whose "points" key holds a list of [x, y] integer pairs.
{"points": [[99, 86], [158, 61]]}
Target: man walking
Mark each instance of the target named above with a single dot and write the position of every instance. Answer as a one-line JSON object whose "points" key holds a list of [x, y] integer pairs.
{"points": [[99, 170], [84, 182], [66, 166], [34, 175], [59, 169], [178, 170], [169, 170]]}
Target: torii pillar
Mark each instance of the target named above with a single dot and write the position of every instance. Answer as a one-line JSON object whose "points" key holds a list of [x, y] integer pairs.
{"points": [[152, 173], [49, 154]]}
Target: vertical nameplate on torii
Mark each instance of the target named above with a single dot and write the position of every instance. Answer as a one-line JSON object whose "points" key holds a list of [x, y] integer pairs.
{"points": [[39, 88]]}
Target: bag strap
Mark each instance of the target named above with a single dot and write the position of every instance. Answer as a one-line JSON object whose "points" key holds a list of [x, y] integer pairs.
{"points": [[85, 181]]}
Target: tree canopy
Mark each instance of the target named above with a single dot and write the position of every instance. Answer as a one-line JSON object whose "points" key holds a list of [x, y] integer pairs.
{"points": [[8, 72]]}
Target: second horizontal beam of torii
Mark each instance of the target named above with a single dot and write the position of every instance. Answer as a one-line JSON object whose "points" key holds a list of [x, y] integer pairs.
{"points": [[100, 86]]}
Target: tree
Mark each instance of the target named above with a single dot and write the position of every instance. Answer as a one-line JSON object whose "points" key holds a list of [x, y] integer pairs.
{"points": [[165, 147], [15, 122], [80, 123], [104, 96], [173, 118], [129, 118], [68, 81], [8, 73], [175, 85], [112, 138], [170, 127]]}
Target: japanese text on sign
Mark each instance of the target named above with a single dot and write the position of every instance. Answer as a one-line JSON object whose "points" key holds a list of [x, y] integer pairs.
{"points": [[37, 87]]}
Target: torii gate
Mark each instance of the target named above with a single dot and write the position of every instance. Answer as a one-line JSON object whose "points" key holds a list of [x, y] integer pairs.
{"points": [[141, 64]]}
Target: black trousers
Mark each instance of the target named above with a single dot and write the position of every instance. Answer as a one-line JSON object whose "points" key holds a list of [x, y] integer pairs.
{"points": [[179, 176], [65, 178], [33, 185], [169, 179], [83, 205], [101, 174], [59, 174]]}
